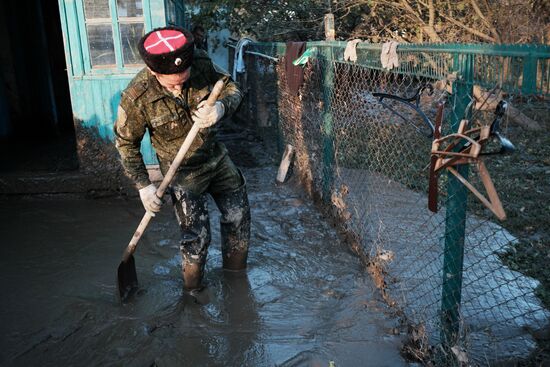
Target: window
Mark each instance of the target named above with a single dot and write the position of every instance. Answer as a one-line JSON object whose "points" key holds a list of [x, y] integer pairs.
{"points": [[113, 30], [130, 21], [100, 32]]}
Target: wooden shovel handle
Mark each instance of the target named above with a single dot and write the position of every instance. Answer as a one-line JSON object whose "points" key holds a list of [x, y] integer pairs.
{"points": [[214, 94]]}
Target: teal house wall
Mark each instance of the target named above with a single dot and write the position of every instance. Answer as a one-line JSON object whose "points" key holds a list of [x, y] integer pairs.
{"points": [[98, 37]]}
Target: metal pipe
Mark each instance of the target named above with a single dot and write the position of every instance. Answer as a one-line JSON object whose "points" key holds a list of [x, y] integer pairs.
{"points": [[254, 53], [262, 55]]}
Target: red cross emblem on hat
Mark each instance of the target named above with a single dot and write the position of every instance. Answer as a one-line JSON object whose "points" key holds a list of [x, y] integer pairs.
{"points": [[167, 50], [164, 41]]}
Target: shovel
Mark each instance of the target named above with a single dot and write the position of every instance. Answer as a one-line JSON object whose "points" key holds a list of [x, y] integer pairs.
{"points": [[126, 274]]}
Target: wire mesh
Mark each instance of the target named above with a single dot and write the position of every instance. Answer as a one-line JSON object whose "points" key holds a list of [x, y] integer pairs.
{"points": [[465, 282]]}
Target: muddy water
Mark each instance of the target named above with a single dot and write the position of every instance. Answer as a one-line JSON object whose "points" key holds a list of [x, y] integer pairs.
{"points": [[304, 301]]}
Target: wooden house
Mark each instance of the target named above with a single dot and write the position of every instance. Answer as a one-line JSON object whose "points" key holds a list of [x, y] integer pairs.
{"points": [[63, 67]]}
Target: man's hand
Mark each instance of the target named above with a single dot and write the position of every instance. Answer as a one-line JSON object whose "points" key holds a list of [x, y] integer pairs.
{"points": [[151, 202], [206, 116]]}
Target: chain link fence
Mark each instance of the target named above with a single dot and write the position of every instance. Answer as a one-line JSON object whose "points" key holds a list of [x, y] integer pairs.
{"points": [[470, 288]]}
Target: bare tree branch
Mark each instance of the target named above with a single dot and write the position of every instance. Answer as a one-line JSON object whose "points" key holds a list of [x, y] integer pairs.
{"points": [[415, 20], [431, 10], [484, 19], [408, 8], [469, 29]]}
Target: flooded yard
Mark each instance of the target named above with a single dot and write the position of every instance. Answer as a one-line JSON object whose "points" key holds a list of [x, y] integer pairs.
{"points": [[305, 300]]}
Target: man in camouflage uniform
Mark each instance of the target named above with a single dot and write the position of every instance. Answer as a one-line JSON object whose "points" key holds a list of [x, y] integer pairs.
{"points": [[166, 98]]}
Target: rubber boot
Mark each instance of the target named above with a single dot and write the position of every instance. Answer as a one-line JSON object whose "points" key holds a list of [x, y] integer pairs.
{"points": [[192, 276], [235, 260], [194, 289], [234, 227]]}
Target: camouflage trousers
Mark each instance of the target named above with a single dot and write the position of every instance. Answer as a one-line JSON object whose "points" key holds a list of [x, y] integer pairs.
{"points": [[227, 186]]}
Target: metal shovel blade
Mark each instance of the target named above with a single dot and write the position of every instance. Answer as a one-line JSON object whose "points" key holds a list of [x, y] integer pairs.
{"points": [[127, 279]]}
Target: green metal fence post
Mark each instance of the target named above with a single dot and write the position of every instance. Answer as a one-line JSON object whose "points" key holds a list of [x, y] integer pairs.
{"points": [[327, 58], [529, 82], [455, 221]]}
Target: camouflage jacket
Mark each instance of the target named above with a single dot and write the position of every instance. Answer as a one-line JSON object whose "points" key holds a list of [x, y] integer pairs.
{"points": [[146, 105]]}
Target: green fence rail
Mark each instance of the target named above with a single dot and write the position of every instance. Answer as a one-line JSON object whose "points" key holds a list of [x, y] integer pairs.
{"points": [[460, 278], [518, 68]]}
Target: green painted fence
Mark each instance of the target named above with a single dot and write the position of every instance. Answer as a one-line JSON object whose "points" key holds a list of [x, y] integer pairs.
{"points": [[451, 277]]}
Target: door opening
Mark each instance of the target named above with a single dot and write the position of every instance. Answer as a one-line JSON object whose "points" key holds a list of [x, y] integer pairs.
{"points": [[36, 125]]}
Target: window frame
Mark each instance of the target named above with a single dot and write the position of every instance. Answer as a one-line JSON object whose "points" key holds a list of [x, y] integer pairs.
{"points": [[118, 67], [179, 7]]}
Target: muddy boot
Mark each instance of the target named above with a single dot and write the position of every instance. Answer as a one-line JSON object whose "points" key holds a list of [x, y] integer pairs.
{"points": [[235, 227], [192, 276], [235, 260], [194, 288]]}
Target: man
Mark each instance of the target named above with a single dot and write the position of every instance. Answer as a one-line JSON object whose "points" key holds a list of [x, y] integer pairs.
{"points": [[200, 39], [166, 98]]}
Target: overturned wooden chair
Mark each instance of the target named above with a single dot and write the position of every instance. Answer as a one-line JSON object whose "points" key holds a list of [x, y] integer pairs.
{"points": [[468, 146]]}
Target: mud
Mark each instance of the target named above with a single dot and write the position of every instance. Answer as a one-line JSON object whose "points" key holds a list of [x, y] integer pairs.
{"points": [[304, 301]]}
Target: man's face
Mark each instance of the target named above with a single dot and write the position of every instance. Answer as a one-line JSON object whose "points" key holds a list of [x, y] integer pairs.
{"points": [[172, 82]]}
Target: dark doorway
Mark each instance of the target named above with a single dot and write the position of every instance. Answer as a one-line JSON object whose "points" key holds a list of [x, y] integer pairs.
{"points": [[36, 126]]}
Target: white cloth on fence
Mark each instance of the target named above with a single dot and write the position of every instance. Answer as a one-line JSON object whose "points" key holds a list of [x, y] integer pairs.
{"points": [[350, 53], [238, 61], [388, 56]]}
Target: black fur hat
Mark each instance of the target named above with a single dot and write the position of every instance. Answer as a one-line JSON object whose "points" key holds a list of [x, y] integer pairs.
{"points": [[167, 50]]}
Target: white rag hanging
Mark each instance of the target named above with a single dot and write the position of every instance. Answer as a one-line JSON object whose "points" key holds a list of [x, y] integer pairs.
{"points": [[238, 61], [388, 56], [350, 53]]}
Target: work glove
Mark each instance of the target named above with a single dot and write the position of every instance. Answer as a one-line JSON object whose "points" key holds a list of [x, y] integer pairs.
{"points": [[350, 53], [385, 55], [151, 202], [393, 60], [206, 116]]}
